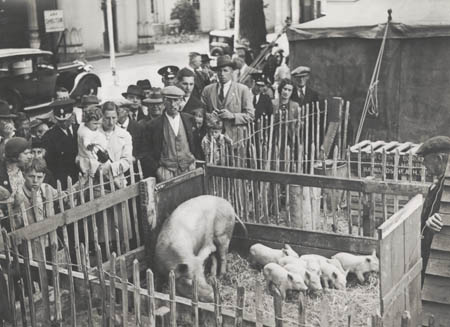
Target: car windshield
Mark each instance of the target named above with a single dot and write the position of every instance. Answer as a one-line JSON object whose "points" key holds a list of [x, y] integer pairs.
{"points": [[22, 65]]}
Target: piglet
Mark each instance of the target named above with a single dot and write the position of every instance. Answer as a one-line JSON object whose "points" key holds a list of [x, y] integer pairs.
{"points": [[312, 279], [261, 255], [330, 275], [358, 264], [320, 258], [277, 276]]}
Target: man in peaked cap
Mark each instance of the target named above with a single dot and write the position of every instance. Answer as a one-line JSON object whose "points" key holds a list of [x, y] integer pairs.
{"points": [[261, 101], [230, 100], [435, 152], [169, 74], [135, 95], [168, 142], [60, 142]]}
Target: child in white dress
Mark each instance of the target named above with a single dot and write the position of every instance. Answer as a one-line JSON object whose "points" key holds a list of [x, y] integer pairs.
{"points": [[90, 140]]}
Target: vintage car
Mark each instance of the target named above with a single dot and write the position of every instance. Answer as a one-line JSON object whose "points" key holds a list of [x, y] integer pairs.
{"points": [[221, 42], [30, 77]]}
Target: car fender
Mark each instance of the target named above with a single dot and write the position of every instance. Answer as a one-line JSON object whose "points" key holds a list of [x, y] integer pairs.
{"points": [[81, 76]]}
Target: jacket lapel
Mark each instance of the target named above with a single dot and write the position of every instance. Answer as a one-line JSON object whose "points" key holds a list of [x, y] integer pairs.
{"points": [[230, 93]]}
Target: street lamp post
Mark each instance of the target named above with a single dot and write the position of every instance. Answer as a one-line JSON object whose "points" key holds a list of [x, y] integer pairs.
{"points": [[112, 50]]}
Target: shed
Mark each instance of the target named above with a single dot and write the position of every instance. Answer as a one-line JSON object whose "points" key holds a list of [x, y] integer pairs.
{"points": [[414, 81]]}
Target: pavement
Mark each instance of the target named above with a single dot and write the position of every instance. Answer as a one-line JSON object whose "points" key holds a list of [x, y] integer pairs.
{"points": [[129, 69]]}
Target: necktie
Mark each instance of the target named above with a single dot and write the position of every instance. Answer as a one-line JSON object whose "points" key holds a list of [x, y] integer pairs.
{"points": [[221, 95], [69, 133]]}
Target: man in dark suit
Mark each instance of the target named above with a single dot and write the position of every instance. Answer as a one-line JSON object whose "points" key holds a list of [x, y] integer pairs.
{"points": [[60, 143], [201, 79], [131, 126], [135, 95], [261, 102], [168, 142], [304, 95]]}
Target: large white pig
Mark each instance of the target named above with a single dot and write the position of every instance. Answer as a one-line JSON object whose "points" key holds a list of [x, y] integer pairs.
{"points": [[261, 255], [277, 276], [358, 264], [196, 229]]}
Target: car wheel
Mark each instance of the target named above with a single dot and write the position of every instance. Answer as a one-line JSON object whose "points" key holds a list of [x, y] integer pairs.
{"points": [[13, 100]]}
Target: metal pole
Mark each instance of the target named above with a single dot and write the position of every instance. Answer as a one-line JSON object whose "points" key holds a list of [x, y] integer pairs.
{"points": [[112, 50], [237, 15]]}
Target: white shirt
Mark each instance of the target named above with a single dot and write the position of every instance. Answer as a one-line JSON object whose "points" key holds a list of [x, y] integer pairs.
{"points": [[226, 88], [303, 89], [125, 124], [174, 123], [257, 97]]}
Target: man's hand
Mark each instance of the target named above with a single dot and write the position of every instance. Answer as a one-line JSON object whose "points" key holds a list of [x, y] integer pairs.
{"points": [[434, 222], [225, 114]]}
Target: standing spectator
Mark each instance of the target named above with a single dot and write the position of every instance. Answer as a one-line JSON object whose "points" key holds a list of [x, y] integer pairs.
{"points": [[86, 101], [186, 82], [38, 151], [168, 75], [17, 156], [230, 100], [199, 130], [201, 78], [304, 95], [261, 102], [38, 128], [242, 72], [206, 66], [60, 143], [7, 128], [168, 143], [146, 87], [282, 70], [154, 104], [248, 52], [23, 128], [131, 126], [270, 62], [134, 95], [214, 142]]}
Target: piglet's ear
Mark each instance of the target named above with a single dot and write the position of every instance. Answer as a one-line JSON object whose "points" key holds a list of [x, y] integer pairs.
{"points": [[289, 276], [307, 275], [374, 253], [334, 275], [368, 260]]}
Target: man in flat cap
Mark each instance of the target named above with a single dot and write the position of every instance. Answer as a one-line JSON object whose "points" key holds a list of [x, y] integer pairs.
{"points": [[60, 142], [168, 75], [168, 143], [230, 100], [435, 152], [304, 95]]}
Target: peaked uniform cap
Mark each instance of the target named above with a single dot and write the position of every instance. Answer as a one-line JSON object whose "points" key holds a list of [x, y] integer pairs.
{"points": [[168, 71], [62, 108]]}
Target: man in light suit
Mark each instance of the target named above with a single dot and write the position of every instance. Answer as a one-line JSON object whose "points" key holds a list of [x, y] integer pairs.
{"points": [[230, 100]]}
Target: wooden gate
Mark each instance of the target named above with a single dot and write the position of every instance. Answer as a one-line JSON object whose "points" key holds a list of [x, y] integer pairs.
{"points": [[401, 264]]}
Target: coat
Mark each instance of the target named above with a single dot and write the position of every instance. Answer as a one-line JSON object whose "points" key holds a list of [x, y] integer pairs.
{"points": [[135, 130], [191, 104], [263, 106], [238, 100], [311, 96], [61, 151], [152, 142]]}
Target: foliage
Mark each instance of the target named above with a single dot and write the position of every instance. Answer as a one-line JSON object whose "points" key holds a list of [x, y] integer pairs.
{"points": [[185, 12]]}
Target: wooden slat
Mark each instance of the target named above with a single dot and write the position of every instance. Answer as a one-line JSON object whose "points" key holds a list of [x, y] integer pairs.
{"points": [[436, 289], [137, 292], [112, 291], [29, 285], [441, 240], [439, 263], [124, 289], [441, 313], [75, 214], [151, 299], [86, 291]]}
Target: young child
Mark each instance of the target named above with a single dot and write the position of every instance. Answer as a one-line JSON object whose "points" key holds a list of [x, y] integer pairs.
{"points": [[214, 142], [90, 140], [199, 130]]}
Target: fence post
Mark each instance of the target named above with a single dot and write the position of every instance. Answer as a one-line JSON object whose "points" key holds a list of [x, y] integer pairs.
{"points": [[278, 308], [217, 310], [151, 298], [240, 302], [148, 210], [173, 303], [406, 319], [112, 290], [137, 292], [431, 321], [301, 309], [195, 316]]}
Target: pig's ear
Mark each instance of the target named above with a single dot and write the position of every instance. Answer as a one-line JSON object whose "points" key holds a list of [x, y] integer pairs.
{"points": [[285, 252], [307, 275], [182, 268], [289, 276], [334, 275], [369, 260], [346, 272], [287, 246]]}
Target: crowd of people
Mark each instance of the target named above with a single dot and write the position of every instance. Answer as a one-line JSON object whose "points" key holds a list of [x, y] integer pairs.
{"points": [[166, 129]]}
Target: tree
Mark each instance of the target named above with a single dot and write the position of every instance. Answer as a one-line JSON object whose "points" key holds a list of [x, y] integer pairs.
{"points": [[252, 23], [185, 12]]}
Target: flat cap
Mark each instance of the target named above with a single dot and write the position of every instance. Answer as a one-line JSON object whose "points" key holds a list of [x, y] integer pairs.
{"points": [[436, 144], [36, 123], [301, 71], [172, 92]]}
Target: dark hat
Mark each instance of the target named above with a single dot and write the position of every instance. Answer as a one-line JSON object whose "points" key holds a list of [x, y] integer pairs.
{"points": [[223, 61], [168, 71], [133, 90], [87, 100], [259, 78], [21, 116], [155, 97], [436, 144], [5, 111], [36, 123], [62, 108], [16, 146], [267, 44], [144, 84], [205, 58], [301, 71], [172, 92], [36, 142]]}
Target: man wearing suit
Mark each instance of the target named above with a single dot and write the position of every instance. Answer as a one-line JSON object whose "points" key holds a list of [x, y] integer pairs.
{"points": [[60, 143], [186, 82], [131, 126], [168, 142], [201, 79], [230, 100], [261, 102], [135, 95], [304, 95]]}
